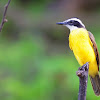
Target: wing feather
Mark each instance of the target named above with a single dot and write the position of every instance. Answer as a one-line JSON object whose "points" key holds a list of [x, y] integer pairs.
{"points": [[94, 47]]}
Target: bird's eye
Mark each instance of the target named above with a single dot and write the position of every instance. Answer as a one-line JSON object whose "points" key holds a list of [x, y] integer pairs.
{"points": [[71, 21]]}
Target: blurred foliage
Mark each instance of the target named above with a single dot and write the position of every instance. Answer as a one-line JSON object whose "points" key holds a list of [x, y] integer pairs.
{"points": [[35, 60]]}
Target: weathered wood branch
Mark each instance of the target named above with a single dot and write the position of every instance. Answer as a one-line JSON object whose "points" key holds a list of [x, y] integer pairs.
{"points": [[4, 15], [82, 73]]}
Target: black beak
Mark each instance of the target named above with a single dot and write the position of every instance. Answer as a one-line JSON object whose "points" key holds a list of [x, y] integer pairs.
{"points": [[60, 23]]}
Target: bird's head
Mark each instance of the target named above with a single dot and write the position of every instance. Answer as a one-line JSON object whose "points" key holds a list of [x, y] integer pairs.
{"points": [[72, 23]]}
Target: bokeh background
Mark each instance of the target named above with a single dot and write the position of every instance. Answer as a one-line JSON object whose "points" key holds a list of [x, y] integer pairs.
{"points": [[35, 60]]}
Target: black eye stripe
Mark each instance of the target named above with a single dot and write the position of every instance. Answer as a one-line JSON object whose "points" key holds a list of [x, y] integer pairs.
{"points": [[75, 23]]}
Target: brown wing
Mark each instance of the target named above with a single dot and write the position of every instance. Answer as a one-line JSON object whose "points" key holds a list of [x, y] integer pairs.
{"points": [[94, 47]]}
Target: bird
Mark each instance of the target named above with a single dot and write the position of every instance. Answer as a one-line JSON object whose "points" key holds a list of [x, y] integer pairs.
{"points": [[84, 47]]}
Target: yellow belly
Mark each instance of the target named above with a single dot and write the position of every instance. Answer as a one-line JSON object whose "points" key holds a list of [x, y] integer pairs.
{"points": [[81, 46]]}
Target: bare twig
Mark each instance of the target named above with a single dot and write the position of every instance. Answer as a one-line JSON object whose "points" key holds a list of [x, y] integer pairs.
{"points": [[4, 15], [82, 73]]}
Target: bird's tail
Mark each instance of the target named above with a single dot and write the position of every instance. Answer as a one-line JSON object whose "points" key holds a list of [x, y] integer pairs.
{"points": [[96, 84]]}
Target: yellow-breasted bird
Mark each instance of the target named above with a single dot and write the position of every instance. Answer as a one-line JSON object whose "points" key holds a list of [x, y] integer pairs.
{"points": [[83, 45]]}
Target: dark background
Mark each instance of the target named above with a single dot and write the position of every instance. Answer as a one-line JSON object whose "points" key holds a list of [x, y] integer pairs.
{"points": [[35, 60]]}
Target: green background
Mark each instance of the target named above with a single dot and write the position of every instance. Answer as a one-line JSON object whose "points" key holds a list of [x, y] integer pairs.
{"points": [[35, 60]]}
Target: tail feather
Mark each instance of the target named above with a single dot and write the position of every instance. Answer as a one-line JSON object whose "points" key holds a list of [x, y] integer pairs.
{"points": [[96, 84]]}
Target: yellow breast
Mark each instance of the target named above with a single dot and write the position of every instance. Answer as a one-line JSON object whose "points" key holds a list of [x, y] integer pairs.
{"points": [[81, 46]]}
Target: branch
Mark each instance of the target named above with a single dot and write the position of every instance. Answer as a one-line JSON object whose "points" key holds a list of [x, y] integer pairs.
{"points": [[4, 15], [82, 73]]}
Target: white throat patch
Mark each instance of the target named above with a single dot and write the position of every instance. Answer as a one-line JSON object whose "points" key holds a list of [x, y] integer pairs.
{"points": [[71, 27]]}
